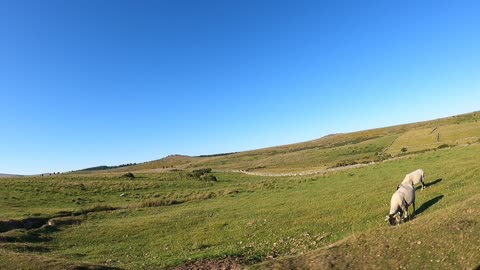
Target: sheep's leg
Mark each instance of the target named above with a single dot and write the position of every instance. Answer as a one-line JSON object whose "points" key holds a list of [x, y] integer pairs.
{"points": [[400, 217], [413, 213], [406, 213]]}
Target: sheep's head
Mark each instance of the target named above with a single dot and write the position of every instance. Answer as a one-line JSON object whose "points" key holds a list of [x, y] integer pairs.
{"points": [[393, 219]]}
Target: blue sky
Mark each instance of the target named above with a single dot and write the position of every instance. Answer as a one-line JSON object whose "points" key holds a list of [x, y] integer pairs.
{"points": [[86, 83]]}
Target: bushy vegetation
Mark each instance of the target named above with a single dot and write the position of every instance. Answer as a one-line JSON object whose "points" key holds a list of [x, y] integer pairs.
{"points": [[203, 174], [209, 177], [443, 146], [128, 175], [345, 163], [200, 172], [218, 155]]}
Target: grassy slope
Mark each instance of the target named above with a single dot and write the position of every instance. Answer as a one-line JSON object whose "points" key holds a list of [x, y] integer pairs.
{"points": [[361, 146], [33, 196], [424, 139], [445, 239], [255, 217]]}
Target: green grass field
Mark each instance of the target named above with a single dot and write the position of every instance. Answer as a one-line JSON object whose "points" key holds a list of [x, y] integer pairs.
{"points": [[163, 219]]}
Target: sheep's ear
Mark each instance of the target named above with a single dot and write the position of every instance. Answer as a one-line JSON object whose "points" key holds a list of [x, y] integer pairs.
{"points": [[387, 218]]}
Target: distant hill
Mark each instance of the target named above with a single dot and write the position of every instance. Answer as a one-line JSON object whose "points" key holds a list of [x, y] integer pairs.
{"points": [[3, 175], [331, 151]]}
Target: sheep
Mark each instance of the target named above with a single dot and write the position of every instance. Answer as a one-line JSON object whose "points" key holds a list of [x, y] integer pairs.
{"points": [[414, 178], [401, 199]]}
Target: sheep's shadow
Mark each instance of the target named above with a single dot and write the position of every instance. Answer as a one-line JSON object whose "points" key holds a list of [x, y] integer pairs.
{"points": [[433, 182], [430, 184], [428, 204]]}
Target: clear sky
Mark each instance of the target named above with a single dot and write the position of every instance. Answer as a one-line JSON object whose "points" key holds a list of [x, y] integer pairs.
{"points": [[87, 83]]}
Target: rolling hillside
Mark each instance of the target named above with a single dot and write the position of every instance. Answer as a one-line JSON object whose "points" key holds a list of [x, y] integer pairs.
{"points": [[170, 215], [334, 150]]}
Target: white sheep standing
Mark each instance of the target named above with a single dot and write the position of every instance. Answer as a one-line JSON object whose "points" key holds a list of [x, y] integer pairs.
{"points": [[414, 178], [401, 199]]}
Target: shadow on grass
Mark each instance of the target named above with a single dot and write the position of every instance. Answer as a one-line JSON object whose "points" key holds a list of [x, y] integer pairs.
{"points": [[433, 182], [430, 184], [19, 247], [94, 267], [428, 203]]}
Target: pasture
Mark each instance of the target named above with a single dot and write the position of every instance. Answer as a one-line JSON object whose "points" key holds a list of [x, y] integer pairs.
{"points": [[170, 215], [169, 219]]}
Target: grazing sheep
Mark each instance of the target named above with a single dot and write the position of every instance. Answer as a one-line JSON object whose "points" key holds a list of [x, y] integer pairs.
{"points": [[414, 178], [401, 199]]}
